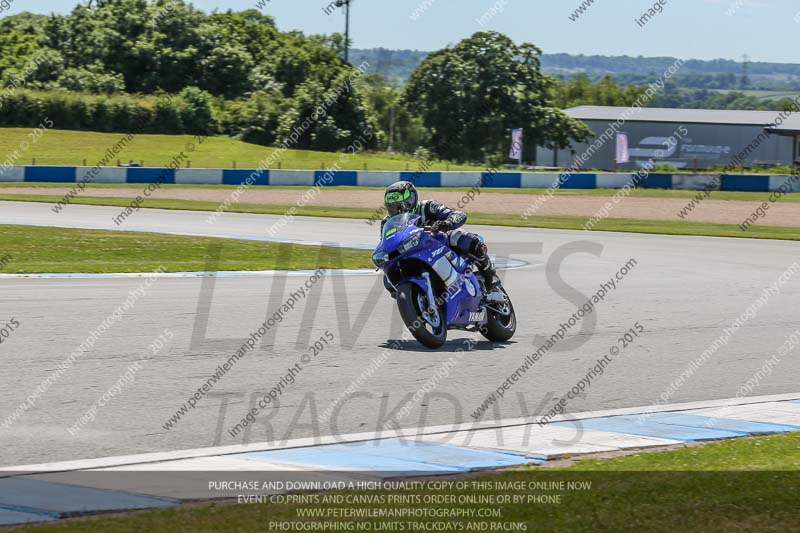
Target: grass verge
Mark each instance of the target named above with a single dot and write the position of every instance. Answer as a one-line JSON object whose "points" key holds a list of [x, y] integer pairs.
{"points": [[664, 227], [67, 147], [748, 484], [32, 249]]}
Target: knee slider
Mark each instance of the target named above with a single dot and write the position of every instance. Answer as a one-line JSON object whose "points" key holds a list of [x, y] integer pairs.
{"points": [[478, 248]]}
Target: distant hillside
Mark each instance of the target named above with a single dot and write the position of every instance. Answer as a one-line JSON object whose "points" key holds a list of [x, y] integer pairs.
{"points": [[694, 74], [397, 65], [632, 64], [394, 65]]}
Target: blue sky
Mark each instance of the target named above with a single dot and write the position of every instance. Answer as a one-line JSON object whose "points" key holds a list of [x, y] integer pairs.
{"points": [[763, 29]]}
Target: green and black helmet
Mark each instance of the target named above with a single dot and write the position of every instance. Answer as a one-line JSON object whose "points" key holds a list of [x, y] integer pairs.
{"points": [[400, 197]]}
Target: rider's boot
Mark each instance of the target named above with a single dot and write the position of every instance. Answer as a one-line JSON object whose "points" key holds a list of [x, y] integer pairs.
{"points": [[489, 273]]}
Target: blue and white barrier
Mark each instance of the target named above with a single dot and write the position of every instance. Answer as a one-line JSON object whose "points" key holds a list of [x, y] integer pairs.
{"points": [[514, 180]]}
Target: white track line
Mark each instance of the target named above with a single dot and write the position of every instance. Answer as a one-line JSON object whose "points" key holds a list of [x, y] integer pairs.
{"points": [[509, 264]]}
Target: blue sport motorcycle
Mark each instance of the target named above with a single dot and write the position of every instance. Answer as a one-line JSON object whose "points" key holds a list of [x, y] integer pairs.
{"points": [[437, 288]]}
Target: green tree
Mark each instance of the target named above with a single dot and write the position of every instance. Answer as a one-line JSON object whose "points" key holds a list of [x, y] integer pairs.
{"points": [[403, 131], [233, 72], [90, 80], [470, 95], [254, 119], [19, 40], [581, 91], [330, 118], [196, 111]]}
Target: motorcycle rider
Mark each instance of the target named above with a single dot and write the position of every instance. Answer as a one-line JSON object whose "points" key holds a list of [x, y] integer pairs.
{"points": [[401, 197]]}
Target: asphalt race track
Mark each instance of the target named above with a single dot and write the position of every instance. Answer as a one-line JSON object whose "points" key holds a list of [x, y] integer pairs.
{"points": [[682, 290]]}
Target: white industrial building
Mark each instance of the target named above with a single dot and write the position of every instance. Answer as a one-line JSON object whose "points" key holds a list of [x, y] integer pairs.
{"points": [[684, 138]]}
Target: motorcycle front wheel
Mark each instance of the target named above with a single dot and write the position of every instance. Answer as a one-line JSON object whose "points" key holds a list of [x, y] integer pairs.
{"points": [[428, 327]]}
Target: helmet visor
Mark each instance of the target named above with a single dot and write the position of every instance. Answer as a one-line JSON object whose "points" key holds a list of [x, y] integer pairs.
{"points": [[398, 202]]}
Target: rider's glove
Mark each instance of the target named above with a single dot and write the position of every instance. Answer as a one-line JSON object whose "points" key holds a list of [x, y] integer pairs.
{"points": [[440, 226]]}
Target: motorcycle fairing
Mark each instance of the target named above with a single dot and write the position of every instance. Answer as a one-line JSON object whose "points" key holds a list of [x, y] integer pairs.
{"points": [[462, 296]]}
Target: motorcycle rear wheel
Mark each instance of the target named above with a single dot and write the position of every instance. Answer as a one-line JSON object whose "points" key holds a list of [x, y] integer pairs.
{"points": [[410, 302]]}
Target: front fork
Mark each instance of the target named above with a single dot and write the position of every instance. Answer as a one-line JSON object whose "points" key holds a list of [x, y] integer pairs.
{"points": [[431, 298]]}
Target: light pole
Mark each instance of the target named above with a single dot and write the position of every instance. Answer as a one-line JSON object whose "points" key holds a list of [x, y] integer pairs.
{"points": [[346, 5]]}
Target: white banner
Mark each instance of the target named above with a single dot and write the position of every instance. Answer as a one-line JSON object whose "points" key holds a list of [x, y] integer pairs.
{"points": [[623, 154], [516, 144]]}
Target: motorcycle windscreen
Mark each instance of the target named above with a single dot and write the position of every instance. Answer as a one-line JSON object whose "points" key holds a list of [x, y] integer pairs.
{"points": [[397, 224]]}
